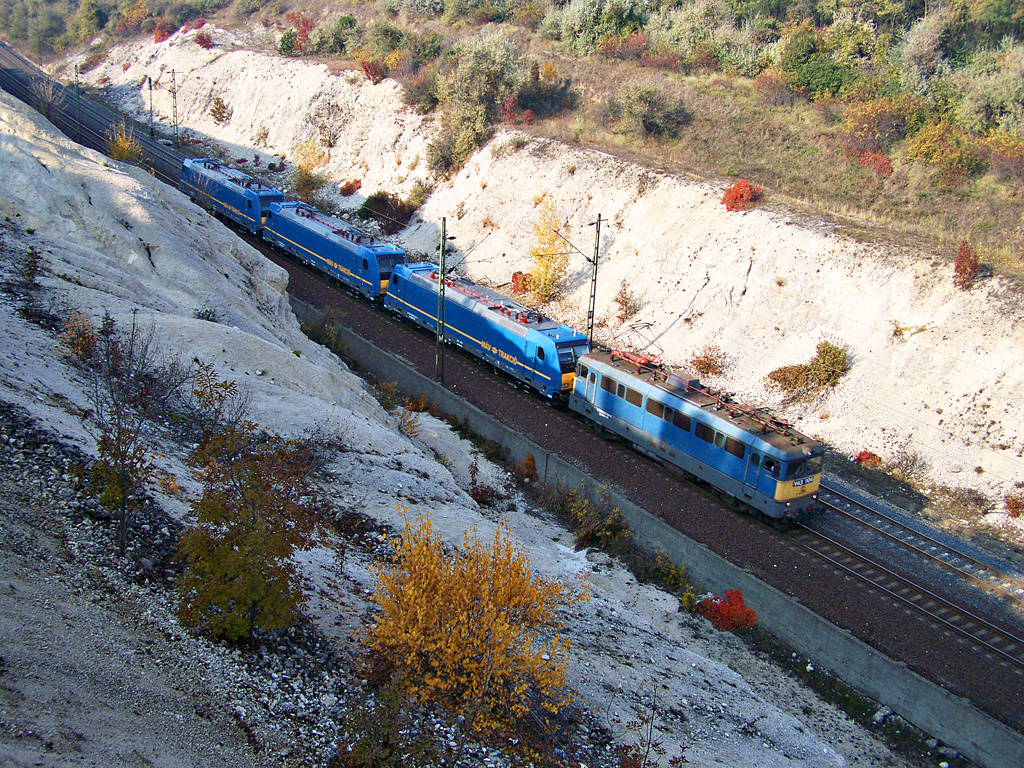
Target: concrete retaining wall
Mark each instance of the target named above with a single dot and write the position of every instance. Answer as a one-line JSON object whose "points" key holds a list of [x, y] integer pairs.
{"points": [[928, 706]]}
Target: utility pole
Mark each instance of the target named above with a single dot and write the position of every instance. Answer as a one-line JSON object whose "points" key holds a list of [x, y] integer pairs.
{"points": [[150, 78], [593, 281], [439, 350], [174, 109], [78, 109]]}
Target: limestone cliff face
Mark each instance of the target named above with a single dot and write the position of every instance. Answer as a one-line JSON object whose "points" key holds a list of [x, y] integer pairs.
{"points": [[934, 370]]}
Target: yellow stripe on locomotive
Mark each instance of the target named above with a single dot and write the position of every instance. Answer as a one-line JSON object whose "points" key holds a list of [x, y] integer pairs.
{"points": [[795, 489]]}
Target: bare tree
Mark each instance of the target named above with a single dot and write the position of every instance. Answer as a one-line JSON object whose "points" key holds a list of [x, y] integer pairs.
{"points": [[128, 390], [49, 93]]}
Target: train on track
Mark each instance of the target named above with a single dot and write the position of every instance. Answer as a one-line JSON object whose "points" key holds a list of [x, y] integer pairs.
{"points": [[755, 462]]}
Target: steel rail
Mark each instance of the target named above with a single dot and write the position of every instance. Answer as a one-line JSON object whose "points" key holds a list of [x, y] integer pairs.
{"points": [[931, 548], [965, 615]]}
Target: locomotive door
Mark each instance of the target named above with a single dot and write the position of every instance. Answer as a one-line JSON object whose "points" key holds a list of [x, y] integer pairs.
{"points": [[591, 387], [753, 470]]}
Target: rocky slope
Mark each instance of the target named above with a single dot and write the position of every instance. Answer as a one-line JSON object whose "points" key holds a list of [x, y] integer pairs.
{"points": [[95, 669]]}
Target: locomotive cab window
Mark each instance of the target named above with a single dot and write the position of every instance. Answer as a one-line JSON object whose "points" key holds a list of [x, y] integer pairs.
{"points": [[814, 465], [366, 264], [771, 465], [581, 371], [540, 353]]}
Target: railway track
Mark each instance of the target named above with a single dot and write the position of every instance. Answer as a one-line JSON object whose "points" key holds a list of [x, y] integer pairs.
{"points": [[1001, 644], [81, 119], [947, 627]]}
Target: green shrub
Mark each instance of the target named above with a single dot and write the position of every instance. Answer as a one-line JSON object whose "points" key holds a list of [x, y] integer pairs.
{"points": [[825, 370], [388, 209], [287, 44], [644, 109]]}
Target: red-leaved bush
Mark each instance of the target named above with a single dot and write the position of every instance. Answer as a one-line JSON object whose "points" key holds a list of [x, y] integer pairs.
{"points": [[203, 40], [374, 70], [967, 266], [741, 195], [199, 23], [164, 29], [509, 109], [1014, 503], [877, 162], [729, 613], [868, 459]]}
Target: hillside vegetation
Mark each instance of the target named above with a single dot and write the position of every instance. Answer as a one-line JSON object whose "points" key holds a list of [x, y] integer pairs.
{"points": [[896, 113]]}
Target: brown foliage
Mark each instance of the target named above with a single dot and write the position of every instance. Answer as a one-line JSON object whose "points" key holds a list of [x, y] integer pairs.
{"points": [[967, 266], [709, 361], [1014, 503]]}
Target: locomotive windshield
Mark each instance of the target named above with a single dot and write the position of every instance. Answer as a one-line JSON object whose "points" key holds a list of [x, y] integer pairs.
{"points": [[568, 355], [387, 261], [811, 466]]}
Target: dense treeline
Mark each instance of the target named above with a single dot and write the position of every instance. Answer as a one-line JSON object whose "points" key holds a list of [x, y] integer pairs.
{"points": [[919, 101]]}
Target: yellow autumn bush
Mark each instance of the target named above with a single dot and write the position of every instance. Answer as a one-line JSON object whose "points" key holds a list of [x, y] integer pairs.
{"points": [[476, 631]]}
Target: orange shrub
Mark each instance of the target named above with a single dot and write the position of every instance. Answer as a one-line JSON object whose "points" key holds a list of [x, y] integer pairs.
{"points": [[741, 195], [350, 187], [868, 459], [728, 614], [877, 162], [869, 126]]}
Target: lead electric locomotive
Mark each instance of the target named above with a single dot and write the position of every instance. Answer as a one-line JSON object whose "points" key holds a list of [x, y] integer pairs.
{"points": [[228, 191], [520, 341], [753, 460], [333, 246]]}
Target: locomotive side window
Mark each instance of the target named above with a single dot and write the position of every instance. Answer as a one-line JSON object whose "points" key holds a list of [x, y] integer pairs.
{"points": [[656, 408], [735, 447], [634, 398], [621, 391], [704, 432], [608, 385], [250, 204], [681, 420], [771, 465], [719, 440], [755, 459], [366, 264], [581, 371], [540, 353], [814, 464]]}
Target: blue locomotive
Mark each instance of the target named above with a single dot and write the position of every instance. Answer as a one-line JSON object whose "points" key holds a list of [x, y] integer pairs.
{"points": [[753, 460], [228, 191], [513, 338], [333, 246]]}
